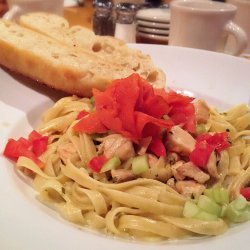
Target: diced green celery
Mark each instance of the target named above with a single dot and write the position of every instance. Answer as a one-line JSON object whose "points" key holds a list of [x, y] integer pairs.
{"points": [[239, 203], [208, 205], [218, 194], [237, 216], [140, 164], [190, 209], [209, 193], [201, 129], [221, 195], [223, 211], [92, 100], [202, 215], [224, 195], [112, 163], [127, 164], [243, 216]]}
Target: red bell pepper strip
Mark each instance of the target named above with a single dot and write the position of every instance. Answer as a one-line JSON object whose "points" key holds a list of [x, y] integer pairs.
{"points": [[157, 147], [31, 148], [200, 155], [39, 146], [126, 107], [182, 111], [90, 125], [205, 145], [33, 136], [218, 140], [97, 162], [82, 114], [245, 192]]}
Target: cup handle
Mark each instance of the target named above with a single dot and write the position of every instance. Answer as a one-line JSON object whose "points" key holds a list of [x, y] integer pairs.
{"points": [[240, 36], [12, 13]]}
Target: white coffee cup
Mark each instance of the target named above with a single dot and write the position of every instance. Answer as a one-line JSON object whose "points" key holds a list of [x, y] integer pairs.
{"points": [[20, 7], [205, 25], [242, 18]]}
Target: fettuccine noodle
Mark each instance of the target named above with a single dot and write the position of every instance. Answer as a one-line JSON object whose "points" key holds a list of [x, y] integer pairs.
{"points": [[142, 208]]}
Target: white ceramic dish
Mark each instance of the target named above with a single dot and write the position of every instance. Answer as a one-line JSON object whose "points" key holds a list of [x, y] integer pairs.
{"points": [[153, 24], [154, 14], [153, 31], [27, 225]]}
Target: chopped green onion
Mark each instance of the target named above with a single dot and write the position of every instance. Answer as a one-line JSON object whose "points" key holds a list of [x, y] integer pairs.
{"points": [[140, 164]]}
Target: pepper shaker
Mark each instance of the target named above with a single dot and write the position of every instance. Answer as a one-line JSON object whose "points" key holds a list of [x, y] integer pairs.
{"points": [[125, 27], [103, 20]]}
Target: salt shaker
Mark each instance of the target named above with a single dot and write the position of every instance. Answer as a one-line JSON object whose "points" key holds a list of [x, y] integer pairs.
{"points": [[103, 21], [125, 27]]}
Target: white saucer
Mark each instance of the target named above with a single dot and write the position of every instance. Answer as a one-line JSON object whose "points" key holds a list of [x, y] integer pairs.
{"points": [[154, 14], [153, 31], [153, 36], [153, 24]]}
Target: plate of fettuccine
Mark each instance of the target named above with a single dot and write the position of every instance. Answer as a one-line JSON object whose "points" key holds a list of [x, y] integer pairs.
{"points": [[131, 167]]}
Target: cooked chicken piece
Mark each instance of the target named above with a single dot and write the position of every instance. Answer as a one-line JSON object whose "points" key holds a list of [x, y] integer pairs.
{"points": [[171, 183], [177, 175], [189, 188], [172, 158], [158, 169], [66, 151], [117, 145], [180, 140], [212, 165], [190, 170], [122, 175], [201, 111]]}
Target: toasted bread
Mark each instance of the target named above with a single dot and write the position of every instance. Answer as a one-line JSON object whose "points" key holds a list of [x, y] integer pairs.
{"points": [[108, 48], [48, 61]]}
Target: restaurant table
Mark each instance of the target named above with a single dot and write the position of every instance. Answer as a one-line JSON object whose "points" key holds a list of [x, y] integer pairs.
{"points": [[81, 15]]}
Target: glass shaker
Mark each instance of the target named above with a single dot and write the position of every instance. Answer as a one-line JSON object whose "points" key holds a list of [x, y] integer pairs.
{"points": [[125, 27], [103, 20]]}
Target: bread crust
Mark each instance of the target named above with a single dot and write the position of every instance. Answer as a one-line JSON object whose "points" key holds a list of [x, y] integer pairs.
{"points": [[48, 61], [108, 48]]}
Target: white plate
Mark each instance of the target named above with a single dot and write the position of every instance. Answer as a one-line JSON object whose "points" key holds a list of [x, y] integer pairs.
{"points": [[25, 224], [154, 14], [153, 24]]}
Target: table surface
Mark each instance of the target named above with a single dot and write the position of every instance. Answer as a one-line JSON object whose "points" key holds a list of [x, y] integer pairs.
{"points": [[75, 15], [80, 15]]}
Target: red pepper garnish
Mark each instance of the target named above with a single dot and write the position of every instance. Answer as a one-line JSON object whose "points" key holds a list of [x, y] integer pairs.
{"points": [[205, 145], [200, 155], [182, 111], [245, 192], [31, 148], [82, 114], [39, 146], [157, 147], [97, 162], [126, 107]]}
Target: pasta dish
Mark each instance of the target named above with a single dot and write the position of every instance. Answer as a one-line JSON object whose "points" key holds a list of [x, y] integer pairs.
{"points": [[141, 163]]}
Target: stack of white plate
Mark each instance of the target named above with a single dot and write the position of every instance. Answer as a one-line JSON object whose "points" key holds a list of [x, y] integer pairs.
{"points": [[153, 25]]}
